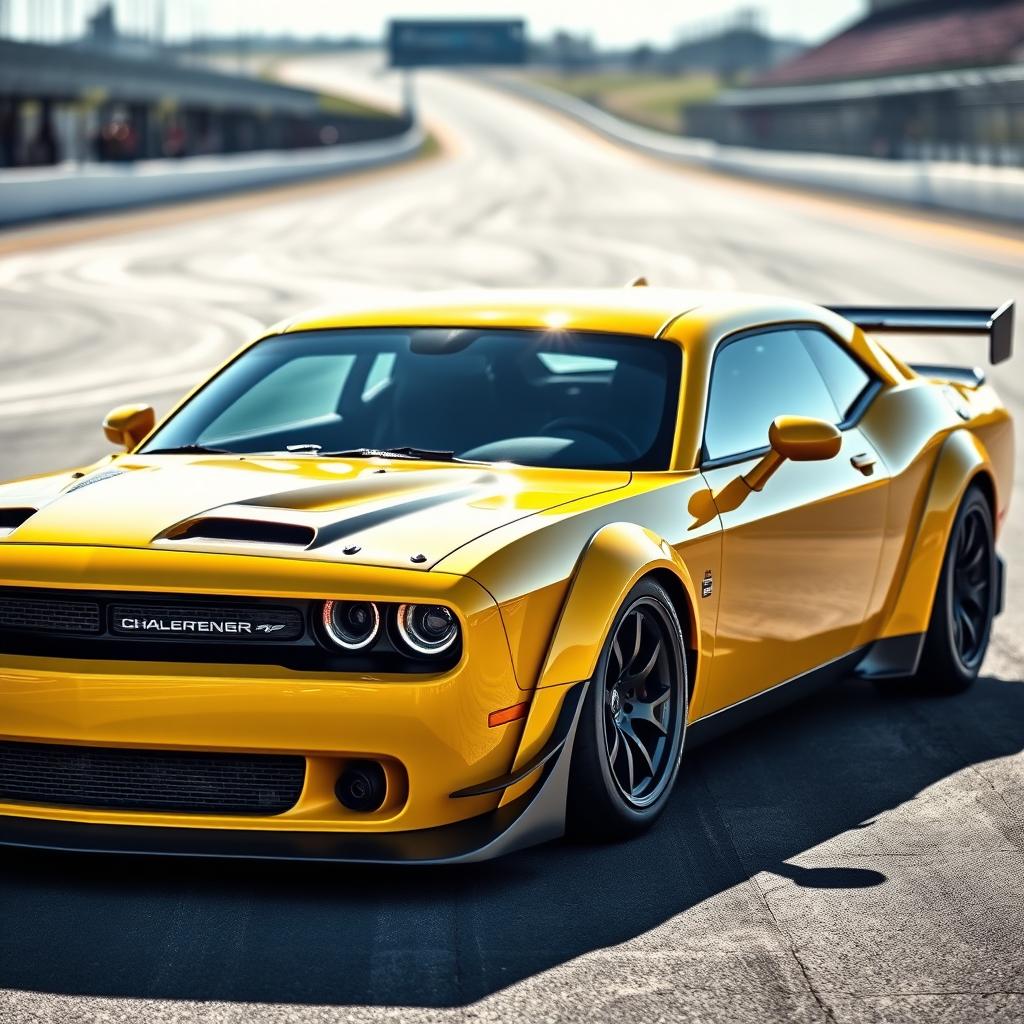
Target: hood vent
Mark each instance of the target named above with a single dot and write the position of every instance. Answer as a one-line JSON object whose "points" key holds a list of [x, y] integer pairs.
{"points": [[250, 531], [86, 481], [12, 518]]}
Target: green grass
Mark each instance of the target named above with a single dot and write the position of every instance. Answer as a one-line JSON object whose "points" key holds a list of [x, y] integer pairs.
{"points": [[431, 147], [649, 99]]}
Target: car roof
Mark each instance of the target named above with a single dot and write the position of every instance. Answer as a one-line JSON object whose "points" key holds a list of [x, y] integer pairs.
{"points": [[630, 310], [695, 320]]}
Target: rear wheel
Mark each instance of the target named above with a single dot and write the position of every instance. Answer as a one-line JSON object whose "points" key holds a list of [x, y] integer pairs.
{"points": [[631, 730], [965, 602]]}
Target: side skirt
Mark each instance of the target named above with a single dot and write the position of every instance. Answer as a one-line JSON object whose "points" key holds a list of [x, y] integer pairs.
{"points": [[710, 727]]}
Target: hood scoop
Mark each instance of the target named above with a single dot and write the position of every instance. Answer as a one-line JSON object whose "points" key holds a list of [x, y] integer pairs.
{"points": [[12, 518], [246, 531]]}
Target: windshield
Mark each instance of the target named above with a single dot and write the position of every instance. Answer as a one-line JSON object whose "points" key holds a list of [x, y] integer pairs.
{"points": [[540, 398]]}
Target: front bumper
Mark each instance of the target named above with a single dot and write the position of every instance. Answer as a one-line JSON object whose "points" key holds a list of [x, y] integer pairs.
{"points": [[533, 818], [430, 732]]}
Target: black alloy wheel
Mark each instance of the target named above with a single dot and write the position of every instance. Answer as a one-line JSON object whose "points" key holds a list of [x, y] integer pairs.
{"points": [[639, 703], [632, 727], [972, 585], [965, 602]]}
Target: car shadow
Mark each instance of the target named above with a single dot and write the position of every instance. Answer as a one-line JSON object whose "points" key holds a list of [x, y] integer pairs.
{"points": [[248, 932]]}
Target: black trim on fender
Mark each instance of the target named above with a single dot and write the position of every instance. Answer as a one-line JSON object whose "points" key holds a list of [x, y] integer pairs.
{"points": [[561, 732], [534, 818], [1000, 585]]}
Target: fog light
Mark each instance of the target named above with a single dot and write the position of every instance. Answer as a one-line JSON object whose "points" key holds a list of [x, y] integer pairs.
{"points": [[362, 786], [353, 625], [427, 628]]}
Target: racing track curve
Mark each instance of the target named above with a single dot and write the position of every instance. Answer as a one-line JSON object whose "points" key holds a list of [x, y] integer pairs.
{"points": [[858, 860]]}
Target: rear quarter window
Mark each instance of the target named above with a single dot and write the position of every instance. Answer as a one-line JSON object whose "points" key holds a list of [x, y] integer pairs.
{"points": [[844, 377]]}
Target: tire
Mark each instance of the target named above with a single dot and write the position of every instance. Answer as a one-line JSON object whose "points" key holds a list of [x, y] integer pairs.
{"points": [[965, 603], [625, 711]]}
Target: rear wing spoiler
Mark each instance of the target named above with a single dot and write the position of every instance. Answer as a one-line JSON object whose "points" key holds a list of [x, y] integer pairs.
{"points": [[996, 323]]}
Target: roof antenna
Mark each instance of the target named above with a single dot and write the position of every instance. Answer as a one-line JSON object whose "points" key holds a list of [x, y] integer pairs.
{"points": [[637, 282]]}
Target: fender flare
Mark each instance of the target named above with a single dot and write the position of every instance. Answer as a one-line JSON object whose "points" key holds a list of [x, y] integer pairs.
{"points": [[961, 460], [615, 557]]}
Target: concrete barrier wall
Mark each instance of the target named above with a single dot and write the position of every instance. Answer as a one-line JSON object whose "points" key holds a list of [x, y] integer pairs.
{"points": [[37, 192], [963, 188]]}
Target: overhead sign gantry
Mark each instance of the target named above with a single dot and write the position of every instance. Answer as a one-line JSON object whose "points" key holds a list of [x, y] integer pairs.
{"points": [[451, 42]]}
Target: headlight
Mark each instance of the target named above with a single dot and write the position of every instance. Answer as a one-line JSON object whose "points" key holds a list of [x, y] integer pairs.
{"points": [[427, 628], [351, 624]]}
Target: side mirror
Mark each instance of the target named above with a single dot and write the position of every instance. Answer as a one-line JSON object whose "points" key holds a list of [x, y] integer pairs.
{"points": [[127, 425], [798, 438]]}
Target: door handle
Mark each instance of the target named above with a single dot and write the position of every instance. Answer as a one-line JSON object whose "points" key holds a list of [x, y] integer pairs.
{"points": [[864, 462]]}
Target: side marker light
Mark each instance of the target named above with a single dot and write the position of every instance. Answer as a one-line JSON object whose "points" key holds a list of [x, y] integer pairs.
{"points": [[506, 715]]}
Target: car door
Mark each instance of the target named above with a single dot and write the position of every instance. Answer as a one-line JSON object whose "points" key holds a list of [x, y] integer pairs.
{"points": [[799, 558]]}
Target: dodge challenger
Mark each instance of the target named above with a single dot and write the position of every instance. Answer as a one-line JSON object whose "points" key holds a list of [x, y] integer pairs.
{"points": [[448, 575]]}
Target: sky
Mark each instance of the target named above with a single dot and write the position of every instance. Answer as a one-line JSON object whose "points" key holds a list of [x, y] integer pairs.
{"points": [[620, 23]]}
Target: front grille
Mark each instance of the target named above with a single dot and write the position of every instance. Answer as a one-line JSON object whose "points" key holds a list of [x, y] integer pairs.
{"points": [[150, 617], [116, 778], [49, 616], [94, 625]]}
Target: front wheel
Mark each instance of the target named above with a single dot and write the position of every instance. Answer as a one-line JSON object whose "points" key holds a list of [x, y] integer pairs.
{"points": [[633, 723], [965, 602]]}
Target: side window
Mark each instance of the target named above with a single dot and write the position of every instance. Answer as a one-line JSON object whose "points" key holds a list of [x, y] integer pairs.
{"points": [[845, 378], [302, 389], [753, 380]]}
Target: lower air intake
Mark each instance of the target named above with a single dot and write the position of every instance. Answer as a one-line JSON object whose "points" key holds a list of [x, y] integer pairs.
{"points": [[149, 780]]}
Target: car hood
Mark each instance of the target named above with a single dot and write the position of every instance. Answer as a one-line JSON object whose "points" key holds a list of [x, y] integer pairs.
{"points": [[385, 512]]}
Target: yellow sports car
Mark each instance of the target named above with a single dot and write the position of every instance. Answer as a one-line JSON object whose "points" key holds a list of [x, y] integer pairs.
{"points": [[445, 576]]}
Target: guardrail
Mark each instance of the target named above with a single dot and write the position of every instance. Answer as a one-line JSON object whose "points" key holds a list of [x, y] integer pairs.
{"points": [[34, 193], [964, 188]]}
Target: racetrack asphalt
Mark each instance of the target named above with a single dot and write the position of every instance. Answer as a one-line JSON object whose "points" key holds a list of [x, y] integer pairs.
{"points": [[857, 858]]}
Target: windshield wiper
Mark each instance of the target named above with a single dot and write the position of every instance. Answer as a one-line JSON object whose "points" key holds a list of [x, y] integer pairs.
{"points": [[189, 449], [405, 452]]}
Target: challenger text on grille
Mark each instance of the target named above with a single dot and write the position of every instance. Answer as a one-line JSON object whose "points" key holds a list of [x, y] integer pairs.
{"points": [[185, 626]]}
